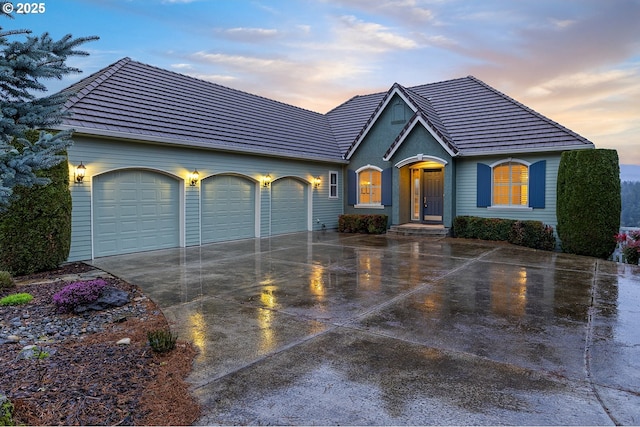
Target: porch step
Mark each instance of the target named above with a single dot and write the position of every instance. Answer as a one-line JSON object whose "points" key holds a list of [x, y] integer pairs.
{"points": [[418, 230]]}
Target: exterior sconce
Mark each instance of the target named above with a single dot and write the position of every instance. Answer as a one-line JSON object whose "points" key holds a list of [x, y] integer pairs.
{"points": [[80, 172], [316, 182], [193, 178], [266, 181]]}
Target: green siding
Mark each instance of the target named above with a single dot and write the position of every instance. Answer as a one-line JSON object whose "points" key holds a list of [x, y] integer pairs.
{"points": [[466, 178], [371, 150], [103, 155], [192, 220]]}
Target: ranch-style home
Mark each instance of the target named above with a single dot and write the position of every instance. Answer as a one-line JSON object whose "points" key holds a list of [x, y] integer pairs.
{"points": [[164, 160]]}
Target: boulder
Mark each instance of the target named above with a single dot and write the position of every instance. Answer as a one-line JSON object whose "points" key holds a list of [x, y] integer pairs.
{"points": [[110, 297]]}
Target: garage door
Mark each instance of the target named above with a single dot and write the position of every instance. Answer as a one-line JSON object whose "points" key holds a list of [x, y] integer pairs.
{"points": [[289, 206], [135, 211], [228, 208]]}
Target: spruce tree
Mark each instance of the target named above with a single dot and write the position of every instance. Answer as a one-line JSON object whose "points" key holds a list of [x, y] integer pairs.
{"points": [[24, 65]]}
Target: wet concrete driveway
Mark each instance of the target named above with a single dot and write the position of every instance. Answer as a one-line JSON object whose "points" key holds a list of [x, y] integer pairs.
{"points": [[327, 328]]}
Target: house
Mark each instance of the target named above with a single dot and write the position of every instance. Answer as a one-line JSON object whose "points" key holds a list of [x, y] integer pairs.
{"points": [[164, 160]]}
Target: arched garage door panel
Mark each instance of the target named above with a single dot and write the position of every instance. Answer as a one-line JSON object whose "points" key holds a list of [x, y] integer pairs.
{"points": [[135, 211], [228, 208], [289, 206]]}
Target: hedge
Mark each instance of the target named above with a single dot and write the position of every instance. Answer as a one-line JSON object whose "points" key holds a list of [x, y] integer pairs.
{"points": [[532, 234], [35, 231], [589, 202], [367, 224]]}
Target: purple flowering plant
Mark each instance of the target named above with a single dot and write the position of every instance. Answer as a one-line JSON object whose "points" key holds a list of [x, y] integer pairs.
{"points": [[78, 293]]}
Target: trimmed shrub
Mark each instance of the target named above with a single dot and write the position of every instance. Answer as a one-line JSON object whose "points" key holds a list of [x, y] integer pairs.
{"points": [[35, 231], [588, 202], [366, 224], [16, 299], [78, 293], [532, 234], [6, 281], [473, 227]]}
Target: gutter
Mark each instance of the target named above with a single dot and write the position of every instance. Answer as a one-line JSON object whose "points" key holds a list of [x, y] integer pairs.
{"points": [[190, 144]]}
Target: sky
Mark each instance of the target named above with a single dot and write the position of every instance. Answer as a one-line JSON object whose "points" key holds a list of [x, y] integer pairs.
{"points": [[575, 61]]}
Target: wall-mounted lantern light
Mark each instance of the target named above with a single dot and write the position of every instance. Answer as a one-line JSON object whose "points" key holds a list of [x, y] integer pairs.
{"points": [[316, 182], [266, 181], [80, 172], [193, 178]]}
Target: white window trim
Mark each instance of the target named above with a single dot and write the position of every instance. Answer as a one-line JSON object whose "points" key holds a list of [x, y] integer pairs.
{"points": [[510, 206], [366, 205], [359, 206], [337, 196]]}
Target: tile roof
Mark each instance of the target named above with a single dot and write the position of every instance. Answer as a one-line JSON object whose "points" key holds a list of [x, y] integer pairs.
{"points": [[129, 99], [134, 100], [470, 116]]}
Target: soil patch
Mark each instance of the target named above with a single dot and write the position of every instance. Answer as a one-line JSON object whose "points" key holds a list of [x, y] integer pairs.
{"points": [[88, 379]]}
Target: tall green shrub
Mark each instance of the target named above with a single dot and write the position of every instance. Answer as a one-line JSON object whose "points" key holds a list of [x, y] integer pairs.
{"points": [[35, 232], [588, 202]]}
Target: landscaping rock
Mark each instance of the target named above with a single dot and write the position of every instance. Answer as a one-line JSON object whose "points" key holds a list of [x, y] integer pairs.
{"points": [[110, 297], [124, 341]]}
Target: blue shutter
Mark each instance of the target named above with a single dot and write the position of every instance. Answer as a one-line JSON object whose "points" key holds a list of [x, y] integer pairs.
{"points": [[387, 182], [352, 187], [537, 180], [483, 195]]}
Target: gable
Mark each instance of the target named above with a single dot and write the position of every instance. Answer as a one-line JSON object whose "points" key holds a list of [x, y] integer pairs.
{"points": [[394, 102]]}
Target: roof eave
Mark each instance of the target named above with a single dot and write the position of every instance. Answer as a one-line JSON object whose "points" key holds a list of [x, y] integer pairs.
{"points": [[193, 144], [527, 150]]}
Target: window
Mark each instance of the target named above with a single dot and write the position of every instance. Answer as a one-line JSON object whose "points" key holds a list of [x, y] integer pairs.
{"points": [[370, 187], [333, 185], [511, 184]]}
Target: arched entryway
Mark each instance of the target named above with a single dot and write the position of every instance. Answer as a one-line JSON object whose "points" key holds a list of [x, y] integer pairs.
{"points": [[425, 203]]}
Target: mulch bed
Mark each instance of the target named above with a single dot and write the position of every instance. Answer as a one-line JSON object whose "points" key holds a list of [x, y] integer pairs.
{"points": [[92, 380]]}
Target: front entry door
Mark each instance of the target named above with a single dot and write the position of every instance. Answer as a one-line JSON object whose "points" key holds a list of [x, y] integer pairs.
{"points": [[432, 195]]}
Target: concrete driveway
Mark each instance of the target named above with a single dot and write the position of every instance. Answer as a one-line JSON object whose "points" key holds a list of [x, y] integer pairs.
{"points": [[327, 328]]}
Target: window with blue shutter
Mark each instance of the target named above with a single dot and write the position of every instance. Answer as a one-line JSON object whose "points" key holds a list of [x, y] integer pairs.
{"points": [[352, 187], [537, 184], [387, 187], [483, 183]]}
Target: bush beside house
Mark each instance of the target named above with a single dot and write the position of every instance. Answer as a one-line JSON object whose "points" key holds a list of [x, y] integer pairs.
{"points": [[532, 234], [588, 202], [367, 224], [35, 232]]}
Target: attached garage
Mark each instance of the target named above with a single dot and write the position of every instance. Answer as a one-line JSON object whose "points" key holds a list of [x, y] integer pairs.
{"points": [[289, 206], [134, 211], [228, 208]]}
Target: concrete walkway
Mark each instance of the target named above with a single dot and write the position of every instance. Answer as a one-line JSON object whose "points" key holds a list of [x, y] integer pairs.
{"points": [[327, 328]]}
